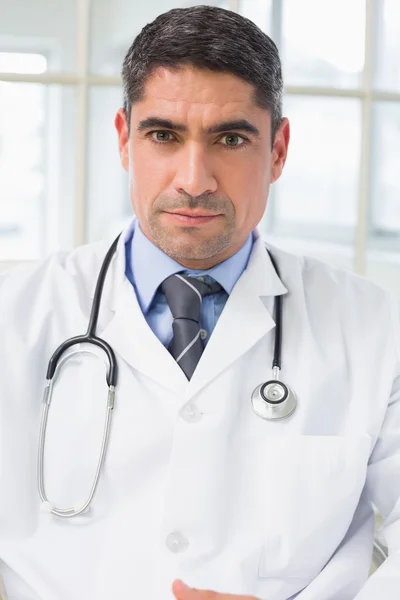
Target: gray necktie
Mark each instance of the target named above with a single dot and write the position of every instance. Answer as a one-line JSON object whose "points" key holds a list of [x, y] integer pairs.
{"points": [[184, 296]]}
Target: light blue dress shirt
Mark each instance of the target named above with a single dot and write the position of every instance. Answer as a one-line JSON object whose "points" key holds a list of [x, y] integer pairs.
{"points": [[146, 268]]}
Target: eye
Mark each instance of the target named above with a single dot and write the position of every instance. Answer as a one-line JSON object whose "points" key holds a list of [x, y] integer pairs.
{"points": [[231, 137], [160, 136], [234, 140]]}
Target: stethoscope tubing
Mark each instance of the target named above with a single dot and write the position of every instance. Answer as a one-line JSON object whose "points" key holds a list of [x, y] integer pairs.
{"points": [[266, 408]]}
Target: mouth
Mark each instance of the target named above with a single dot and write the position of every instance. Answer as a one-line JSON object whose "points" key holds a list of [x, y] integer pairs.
{"points": [[186, 217]]}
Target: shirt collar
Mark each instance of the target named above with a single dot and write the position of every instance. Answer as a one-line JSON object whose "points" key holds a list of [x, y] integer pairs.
{"points": [[147, 280]]}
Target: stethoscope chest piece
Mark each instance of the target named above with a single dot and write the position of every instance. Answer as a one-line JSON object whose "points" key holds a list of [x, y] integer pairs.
{"points": [[273, 400]]}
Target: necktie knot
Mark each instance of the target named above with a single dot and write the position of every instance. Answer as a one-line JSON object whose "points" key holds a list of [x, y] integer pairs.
{"points": [[185, 294]]}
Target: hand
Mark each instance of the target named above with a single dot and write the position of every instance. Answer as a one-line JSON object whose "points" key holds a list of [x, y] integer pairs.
{"points": [[184, 592]]}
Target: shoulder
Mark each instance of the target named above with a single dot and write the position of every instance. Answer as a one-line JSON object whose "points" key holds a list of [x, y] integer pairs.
{"points": [[333, 297], [29, 291], [315, 278]]}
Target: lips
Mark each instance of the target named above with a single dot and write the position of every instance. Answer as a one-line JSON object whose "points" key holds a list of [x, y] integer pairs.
{"points": [[190, 218], [194, 215]]}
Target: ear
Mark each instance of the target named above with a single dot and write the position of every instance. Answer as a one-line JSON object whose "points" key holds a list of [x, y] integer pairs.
{"points": [[121, 125], [280, 149]]}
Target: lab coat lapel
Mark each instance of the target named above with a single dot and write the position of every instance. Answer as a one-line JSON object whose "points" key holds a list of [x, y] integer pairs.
{"points": [[245, 318], [129, 334]]}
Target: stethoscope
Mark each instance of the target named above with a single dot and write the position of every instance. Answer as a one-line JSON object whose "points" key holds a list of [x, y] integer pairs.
{"points": [[274, 399], [271, 400]]}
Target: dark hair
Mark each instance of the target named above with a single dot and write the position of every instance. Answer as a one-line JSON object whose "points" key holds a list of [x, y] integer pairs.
{"points": [[206, 37]]}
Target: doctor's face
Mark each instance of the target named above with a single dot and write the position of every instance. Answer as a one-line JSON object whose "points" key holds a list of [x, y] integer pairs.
{"points": [[200, 163]]}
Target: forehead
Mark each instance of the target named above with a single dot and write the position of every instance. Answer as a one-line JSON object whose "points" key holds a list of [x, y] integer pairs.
{"points": [[190, 91]]}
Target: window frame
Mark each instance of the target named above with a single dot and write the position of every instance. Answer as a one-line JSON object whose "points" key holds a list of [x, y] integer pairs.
{"points": [[366, 237]]}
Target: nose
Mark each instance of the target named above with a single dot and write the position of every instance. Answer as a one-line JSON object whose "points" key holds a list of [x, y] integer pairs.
{"points": [[194, 173]]}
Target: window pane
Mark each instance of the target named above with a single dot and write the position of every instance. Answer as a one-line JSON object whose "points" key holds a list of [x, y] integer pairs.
{"points": [[37, 188], [388, 46], [323, 42], [115, 24], [385, 181], [319, 184], [109, 208], [47, 27], [258, 11], [23, 62], [383, 257]]}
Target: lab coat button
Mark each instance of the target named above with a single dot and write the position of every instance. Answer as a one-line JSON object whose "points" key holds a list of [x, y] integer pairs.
{"points": [[176, 542], [190, 413], [203, 333]]}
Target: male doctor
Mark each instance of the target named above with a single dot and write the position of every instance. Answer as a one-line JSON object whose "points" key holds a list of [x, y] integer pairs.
{"points": [[200, 498]]}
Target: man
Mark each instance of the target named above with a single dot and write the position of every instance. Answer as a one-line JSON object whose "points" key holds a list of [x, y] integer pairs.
{"points": [[199, 498]]}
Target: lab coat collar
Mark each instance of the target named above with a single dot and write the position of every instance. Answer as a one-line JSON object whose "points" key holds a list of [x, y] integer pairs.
{"points": [[243, 322], [261, 273]]}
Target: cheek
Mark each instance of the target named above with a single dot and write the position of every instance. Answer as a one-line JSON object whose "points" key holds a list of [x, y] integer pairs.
{"points": [[144, 174], [249, 188], [147, 169]]}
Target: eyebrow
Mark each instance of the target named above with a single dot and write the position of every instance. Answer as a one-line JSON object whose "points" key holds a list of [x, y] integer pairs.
{"points": [[237, 125]]}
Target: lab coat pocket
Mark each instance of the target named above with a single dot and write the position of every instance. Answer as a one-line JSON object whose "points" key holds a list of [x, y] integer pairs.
{"points": [[316, 483]]}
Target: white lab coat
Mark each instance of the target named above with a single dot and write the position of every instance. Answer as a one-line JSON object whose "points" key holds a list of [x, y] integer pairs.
{"points": [[270, 509]]}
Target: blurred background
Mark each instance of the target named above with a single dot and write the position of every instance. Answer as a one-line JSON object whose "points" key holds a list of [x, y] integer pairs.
{"points": [[61, 182]]}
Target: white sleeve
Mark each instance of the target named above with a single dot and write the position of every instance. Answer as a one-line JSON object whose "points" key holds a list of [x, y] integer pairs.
{"points": [[383, 486], [3, 595]]}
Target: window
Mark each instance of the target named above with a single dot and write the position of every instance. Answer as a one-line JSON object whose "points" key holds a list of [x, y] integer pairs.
{"points": [[320, 179], [339, 194], [385, 157], [323, 42], [22, 173], [35, 161], [387, 72]]}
